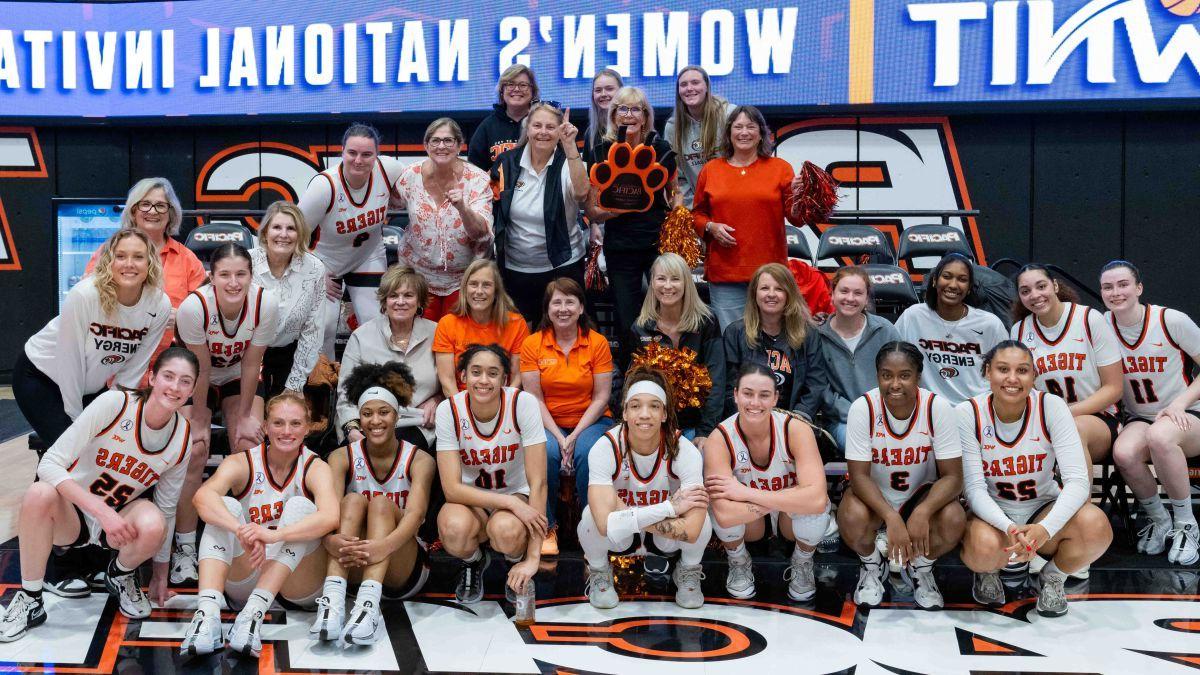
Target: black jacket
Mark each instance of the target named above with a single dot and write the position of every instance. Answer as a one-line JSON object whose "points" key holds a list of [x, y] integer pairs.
{"points": [[505, 173], [809, 379], [495, 134], [707, 344]]}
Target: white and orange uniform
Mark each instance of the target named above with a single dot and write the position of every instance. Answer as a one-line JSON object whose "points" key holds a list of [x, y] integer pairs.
{"points": [[1008, 468], [262, 499], [492, 453], [111, 452], [394, 485], [1068, 363], [1157, 357], [199, 322], [903, 453], [779, 473]]}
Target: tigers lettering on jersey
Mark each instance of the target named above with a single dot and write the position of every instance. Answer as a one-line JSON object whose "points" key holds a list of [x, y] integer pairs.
{"points": [[1144, 364], [395, 483], [227, 346], [1022, 469], [778, 472], [901, 460], [362, 220], [494, 461], [901, 456], [1156, 369], [632, 488], [126, 465]]}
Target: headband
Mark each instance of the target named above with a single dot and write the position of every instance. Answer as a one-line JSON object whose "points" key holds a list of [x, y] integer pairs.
{"points": [[646, 387], [378, 394]]}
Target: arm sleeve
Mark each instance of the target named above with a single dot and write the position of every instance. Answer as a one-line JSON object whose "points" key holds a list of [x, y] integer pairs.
{"points": [[858, 431], [130, 375], [713, 355], [317, 200], [602, 463], [1183, 332], [974, 483], [1072, 466], [264, 334], [1104, 341], [529, 416], [816, 380], [95, 418], [189, 321], [166, 497], [946, 441], [447, 439], [688, 464], [70, 350], [312, 334]]}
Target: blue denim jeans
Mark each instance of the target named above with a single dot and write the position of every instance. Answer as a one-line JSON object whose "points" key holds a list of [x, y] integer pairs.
{"points": [[727, 301], [579, 459]]}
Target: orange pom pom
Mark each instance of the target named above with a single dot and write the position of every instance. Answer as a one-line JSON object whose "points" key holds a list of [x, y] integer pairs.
{"points": [[678, 236], [689, 381]]}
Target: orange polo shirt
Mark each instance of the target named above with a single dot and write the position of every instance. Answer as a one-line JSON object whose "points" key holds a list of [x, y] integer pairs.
{"points": [[753, 201], [566, 379], [454, 333]]}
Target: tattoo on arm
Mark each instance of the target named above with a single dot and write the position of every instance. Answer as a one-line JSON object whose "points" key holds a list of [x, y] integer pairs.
{"points": [[671, 528], [755, 509]]}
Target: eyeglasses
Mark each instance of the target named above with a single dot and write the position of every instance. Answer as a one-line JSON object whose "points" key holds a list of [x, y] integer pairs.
{"points": [[157, 207], [629, 109], [518, 86], [440, 142], [545, 101]]}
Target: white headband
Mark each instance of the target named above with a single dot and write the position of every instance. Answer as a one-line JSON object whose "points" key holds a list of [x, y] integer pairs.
{"points": [[646, 387], [378, 394]]}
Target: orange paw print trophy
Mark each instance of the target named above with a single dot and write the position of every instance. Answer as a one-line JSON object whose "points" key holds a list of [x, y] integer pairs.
{"points": [[627, 180]]}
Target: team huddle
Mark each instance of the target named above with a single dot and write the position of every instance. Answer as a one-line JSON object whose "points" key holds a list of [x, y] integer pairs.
{"points": [[971, 438]]}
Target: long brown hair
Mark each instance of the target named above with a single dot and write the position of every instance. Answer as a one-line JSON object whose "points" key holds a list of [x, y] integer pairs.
{"points": [[1065, 293], [670, 427], [796, 317], [502, 304], [712, 118]]}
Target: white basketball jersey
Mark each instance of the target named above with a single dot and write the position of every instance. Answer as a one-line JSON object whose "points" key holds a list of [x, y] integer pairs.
{"points": [[351, 233], [902, 457], [1019, 470], [1066, 363], [1156, 369], [118, 467], [227, 342], [652, 484], [495, 461], [263, 499], [779, 471], [394, 484]]}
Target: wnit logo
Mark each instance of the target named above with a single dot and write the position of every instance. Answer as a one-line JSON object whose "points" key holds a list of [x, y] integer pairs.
{"points": [[20, 157]]}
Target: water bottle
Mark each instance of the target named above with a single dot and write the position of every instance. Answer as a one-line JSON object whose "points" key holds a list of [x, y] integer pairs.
{"points": [[524, 606]]}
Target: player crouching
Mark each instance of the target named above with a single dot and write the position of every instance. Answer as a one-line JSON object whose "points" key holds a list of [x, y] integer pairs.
{"points": [[121, 445], [645, 479], [264, 540], [763, 463], [386, 482], [903, 454]]}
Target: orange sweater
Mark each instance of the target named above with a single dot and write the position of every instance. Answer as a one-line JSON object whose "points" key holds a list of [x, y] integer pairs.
{"points": [[754, 204]]}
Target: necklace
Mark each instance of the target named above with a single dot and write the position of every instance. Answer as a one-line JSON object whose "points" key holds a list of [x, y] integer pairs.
{"points": [[950, 325], [400, 342]]}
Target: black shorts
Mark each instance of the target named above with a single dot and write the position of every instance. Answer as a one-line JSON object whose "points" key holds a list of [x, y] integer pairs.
{"points": [[1112, 422], [217, 394], [916, 498], [88, 529], [1134, 418], [416, 578]]}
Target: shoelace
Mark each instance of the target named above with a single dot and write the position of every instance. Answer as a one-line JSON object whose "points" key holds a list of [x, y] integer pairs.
{"points": [[740, 569], [129, 586], [1150, 527], [601, 580], [797, 568], [691, 576], [18, 608], [863, 578], [991, 584], [1053, 590]]}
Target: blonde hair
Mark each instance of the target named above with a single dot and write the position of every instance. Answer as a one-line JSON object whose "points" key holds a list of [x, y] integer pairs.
{"points": [[537, 107], [502, 305], [712, 118], [513, 72], [397, 277], [597, 118], [694, 310], [288, 397], [629, 96], [796, 318], [103, 276], [288, 209], [139, 191]]}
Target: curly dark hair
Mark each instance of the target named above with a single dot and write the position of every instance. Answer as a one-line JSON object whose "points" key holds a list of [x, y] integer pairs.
{"points": [[393, 376]]}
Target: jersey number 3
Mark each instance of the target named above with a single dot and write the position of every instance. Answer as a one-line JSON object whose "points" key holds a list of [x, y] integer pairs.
{"points": [[114, 493]]}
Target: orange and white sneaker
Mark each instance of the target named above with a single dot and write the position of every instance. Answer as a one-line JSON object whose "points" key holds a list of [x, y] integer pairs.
{"points": [[550, 543]]}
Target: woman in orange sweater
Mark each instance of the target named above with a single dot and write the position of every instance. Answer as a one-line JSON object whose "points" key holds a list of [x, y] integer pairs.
{"points": [[740, 203]]}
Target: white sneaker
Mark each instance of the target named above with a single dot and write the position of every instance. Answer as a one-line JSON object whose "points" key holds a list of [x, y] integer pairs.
{"points": [[130, 597], [244, 637], [688, 593], [185, 568], [24, 612], [1152, 539], [365, 625], [330, 620], [599, 588], [926, 593], [987, 589], [739, 582], [203, 635], [881, 545], [802, 584], [1185, 547], [869, 591]]}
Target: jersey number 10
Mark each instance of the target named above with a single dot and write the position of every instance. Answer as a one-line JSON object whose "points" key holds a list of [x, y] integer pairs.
{"points": [[493, 480]]}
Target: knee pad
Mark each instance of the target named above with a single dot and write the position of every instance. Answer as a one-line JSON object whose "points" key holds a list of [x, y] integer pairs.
{"points": [[218, 543], [810, 528], [290, 553], [728, 534]]}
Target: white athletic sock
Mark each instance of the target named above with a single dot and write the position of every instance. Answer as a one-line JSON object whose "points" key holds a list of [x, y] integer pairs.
{"points": [[209, 602], [801, 553], [922, 562], [260, 599], [739, 552], [185, 538], [1154, 508], [1051, 570], [474, 557], [370, 590], [31, 585], [874, 560], [1182, 510], [335, 590]]}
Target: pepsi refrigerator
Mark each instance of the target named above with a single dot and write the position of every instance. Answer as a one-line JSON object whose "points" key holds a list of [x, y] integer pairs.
{"points": [[81, 227]]}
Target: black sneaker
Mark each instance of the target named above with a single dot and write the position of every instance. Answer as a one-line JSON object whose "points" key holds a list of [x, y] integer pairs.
{"points": [[469, 589], [23, 613]]}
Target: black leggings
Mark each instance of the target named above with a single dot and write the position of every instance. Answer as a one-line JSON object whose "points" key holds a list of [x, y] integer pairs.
{"points": [[40, 400], [528, 289], [276, 366]]}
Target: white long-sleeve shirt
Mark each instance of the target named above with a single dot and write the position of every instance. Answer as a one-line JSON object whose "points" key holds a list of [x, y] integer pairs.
{"points": [[82, 348], [300, 293], [110, 451], [1008, 468]]}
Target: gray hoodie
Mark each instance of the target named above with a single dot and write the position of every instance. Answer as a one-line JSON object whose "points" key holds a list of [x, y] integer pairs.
{"points": [[851, 375], [690, 160]]}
